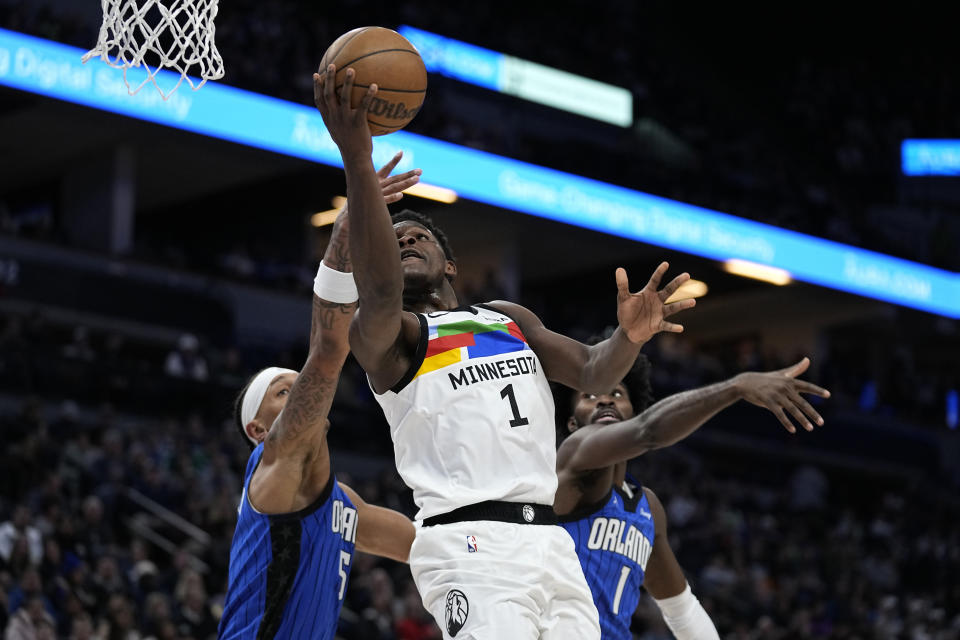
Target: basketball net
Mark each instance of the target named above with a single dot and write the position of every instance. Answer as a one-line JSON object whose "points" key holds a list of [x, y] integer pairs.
{"points": [[154, 34]]}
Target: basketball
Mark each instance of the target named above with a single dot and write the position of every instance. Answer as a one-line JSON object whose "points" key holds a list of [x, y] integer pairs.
{"points": [[383, 57]]}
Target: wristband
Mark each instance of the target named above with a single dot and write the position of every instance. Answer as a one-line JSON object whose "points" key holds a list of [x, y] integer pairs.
{"points": [[335, 286], [686, 617]]}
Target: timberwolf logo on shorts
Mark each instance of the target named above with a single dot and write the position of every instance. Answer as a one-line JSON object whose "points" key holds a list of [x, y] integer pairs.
{"points": [[457, 610]]}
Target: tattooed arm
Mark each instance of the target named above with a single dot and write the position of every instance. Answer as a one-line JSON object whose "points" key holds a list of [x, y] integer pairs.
{"points": [[312, 393], [295, 467]]}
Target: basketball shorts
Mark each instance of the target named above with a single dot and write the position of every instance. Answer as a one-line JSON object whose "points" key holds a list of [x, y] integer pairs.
{"points": [[487, 580]]}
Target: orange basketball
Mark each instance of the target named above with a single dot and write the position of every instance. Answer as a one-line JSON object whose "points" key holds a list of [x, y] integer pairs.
{"points": [[384, 57]]}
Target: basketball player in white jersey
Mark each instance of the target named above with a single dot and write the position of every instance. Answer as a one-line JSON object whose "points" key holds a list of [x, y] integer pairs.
{"points": [[465, 391]]}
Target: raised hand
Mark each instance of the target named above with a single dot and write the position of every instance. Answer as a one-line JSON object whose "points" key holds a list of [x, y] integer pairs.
{"points": [[337, 255], [394, 186], [347, 126], [642, 314], [779, 391]]}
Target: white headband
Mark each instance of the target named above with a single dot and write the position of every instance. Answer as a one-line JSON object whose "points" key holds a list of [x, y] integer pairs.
{"points": [[253, 398]]}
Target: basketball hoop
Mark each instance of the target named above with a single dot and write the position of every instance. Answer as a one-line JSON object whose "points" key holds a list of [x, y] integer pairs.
{"points": [[154, 34]]}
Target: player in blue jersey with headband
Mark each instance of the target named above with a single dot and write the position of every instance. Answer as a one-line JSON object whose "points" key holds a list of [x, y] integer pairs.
{"points": [[620, 530], [297, 527]]}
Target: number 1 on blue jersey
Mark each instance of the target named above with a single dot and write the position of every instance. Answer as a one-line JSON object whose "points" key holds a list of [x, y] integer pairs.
{"points": [[624, 572]]}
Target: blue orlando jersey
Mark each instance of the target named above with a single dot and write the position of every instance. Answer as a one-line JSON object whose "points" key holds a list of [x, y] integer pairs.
{"points": [[288, 572], [614, 540]]}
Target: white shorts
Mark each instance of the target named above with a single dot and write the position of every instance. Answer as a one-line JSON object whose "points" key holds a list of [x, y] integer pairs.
{"points": [[486, 580]]}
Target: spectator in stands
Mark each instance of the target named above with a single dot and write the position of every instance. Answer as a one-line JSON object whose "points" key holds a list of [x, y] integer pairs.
{"points": [[195, 617], [186, 361], [379, 613], [29, 587], [238, 263], [81, 628], [20, 527], [156, 613], [74, 591], [119, 623], [415, 623], [96, 535], [80, 348], [52, 560], [31, 622], [107, 580]]}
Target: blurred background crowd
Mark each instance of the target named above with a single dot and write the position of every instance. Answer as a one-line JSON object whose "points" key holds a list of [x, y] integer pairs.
{"points": [[123, 469]]}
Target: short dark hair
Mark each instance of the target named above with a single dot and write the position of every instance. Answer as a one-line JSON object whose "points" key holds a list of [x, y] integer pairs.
{"points": [[238, 412], [408, 215], [637, 382]]}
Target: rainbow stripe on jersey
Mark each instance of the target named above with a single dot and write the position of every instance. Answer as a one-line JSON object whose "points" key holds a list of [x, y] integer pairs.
{"points": [[468, 339]]}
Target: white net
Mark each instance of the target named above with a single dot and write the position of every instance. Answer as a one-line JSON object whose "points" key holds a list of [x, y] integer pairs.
{"points": [[159, 34]]}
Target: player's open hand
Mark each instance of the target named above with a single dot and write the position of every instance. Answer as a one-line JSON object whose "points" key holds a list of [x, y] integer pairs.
{"points": [[779, 391], [643, 314], [347, 126], [394, 186]]}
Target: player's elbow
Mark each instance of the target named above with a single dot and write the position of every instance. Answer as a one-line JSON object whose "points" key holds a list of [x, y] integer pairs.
{"points": [[402, 555]]}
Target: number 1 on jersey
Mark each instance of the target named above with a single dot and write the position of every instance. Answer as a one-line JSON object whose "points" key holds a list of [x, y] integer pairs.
{"points": [[518, 420], [624, 572]]}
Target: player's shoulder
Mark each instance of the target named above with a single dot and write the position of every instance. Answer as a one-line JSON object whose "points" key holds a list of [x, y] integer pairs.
{"points": [[351, 495], [254, 460], [501, 305], [656, 510], [516, 312]]}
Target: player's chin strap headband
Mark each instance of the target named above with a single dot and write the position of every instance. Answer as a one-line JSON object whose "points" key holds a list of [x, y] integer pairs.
{"points": [[253, 398]]}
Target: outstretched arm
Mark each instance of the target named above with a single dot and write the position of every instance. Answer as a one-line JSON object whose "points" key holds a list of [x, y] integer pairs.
{"points": [[297, 441], [598, 368], [304, 417], [382, 532], [677, 416], [295, 466], [377, 328]]}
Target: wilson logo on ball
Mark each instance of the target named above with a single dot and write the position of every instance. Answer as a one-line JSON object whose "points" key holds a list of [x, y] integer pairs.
{"points": [[392, 110]]}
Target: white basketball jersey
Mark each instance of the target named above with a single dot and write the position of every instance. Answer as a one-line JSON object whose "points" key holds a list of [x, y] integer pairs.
{"points": [[473, 418]]}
